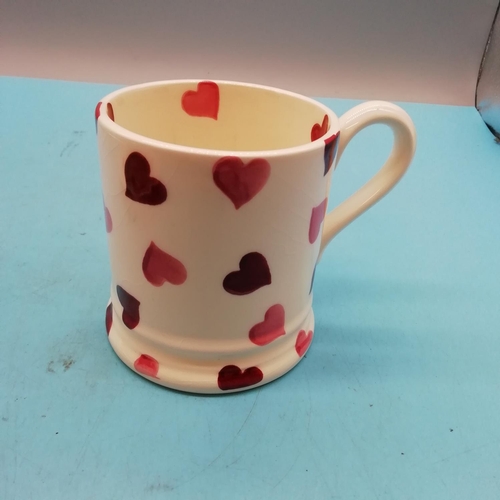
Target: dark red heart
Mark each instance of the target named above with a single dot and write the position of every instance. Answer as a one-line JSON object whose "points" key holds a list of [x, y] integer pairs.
{"points": [[271, 328], [109, 318], [147, 365], [240, 182], [318, 130], [109, 221], [141, 187], [330, 151], [303, 341], [317, 216], [158, 266], [254, 273], [232, 377], [204, 101], [130, 315]]}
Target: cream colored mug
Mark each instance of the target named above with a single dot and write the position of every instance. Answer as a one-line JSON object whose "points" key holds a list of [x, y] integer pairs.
{"points": [[215, 199]]}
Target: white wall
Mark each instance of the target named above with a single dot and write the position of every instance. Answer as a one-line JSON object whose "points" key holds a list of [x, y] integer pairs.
{"points": [[414, 50]]}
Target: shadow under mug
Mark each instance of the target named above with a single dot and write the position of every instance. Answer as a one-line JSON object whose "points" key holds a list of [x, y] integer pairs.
{"points": [[215, 200]]}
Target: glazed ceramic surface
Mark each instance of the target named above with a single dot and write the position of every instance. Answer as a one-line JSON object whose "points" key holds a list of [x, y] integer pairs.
{"points": [[215, 199]]}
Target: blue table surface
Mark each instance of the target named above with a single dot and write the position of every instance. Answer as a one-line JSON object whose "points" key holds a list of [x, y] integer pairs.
{"points": [[398, 398]]}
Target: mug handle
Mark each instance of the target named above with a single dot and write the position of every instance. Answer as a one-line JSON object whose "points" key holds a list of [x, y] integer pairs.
{"points": [[352, 122]]}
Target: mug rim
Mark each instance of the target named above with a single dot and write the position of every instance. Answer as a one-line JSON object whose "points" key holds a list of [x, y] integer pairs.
{"points": [[106, 122]]}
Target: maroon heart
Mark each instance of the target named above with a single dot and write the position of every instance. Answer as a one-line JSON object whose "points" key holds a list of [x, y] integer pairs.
{"points": [[158, 266], [147, 365], [254, 273], [130, 315], [271, 328], [330, 151], [303, 341], [318, 130], [141, 187], [204, 101], [317, 216], [109, 318], [232, 377], [240, 182]]}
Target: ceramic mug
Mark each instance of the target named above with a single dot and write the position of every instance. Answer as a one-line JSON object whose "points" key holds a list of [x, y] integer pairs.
{"points": [[215, 199]]}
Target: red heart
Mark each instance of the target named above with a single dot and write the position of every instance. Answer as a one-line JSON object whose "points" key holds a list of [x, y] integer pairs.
{"points": [[130, 315], [240, 182], [111, 112], [232, 377], [317, 216], [97, 112], [141, 187], [271, 328], [158, 267], [147, 365], [318, 130], [204, 101], [330, 151], [109, 221], [303, 341], [109, 318], [254, 273]]}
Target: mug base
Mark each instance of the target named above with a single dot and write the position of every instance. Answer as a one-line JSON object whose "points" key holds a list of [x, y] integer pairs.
{"points": [[218, 370]]}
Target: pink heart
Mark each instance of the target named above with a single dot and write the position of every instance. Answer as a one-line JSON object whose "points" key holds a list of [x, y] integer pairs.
{"points": [[303, 341], [232, 377], [240, 182], [147, 365], [109, 221], [317, 216], [158, 266], [204, 101], [109, 318], [271, 328], [318, 130]]}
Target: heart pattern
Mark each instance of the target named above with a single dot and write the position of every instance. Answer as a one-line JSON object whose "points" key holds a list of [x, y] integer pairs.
{"points": [[232, 377], [271, 328], [318, 130], [202, 102], [109, 318], [158, 266], [254, 273], [141, 187], [317, 216], [303, 341], [130, 304], [109, 221], [97, 112], [331, 145], [240, 182], [147, 365]]}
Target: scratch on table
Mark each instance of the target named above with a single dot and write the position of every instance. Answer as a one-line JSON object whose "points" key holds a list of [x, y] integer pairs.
{"points": [[465, 452], [225, 447], [70, 146]]}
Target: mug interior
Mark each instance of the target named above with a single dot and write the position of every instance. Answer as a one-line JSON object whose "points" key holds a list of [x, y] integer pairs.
{"points": [[219, 115]]}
